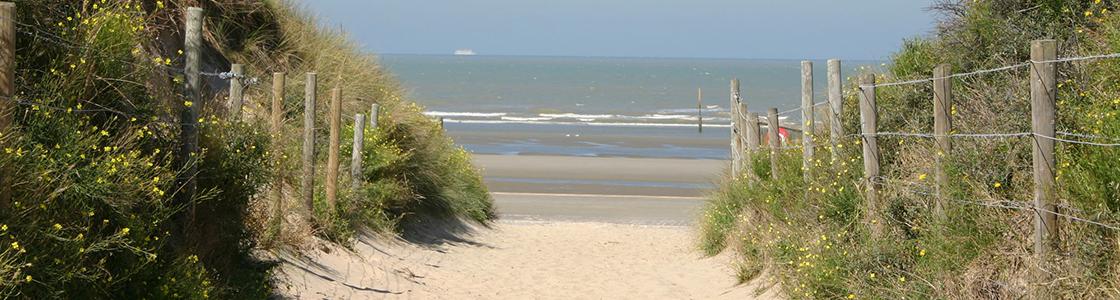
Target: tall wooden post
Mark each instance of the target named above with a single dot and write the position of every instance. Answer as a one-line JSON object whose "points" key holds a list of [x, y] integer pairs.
{"points": [[188, 113], [1043, 89], [7, 92], [752, 140], [700, 110], [775, 142], [752, 132], [308, 183], [276, 122], [807, 119], [356, 154], [236, 90], [736, 141], [869, 119], [942, 126], [836, 107], [744, 128], [333, 148], [374, 113]]}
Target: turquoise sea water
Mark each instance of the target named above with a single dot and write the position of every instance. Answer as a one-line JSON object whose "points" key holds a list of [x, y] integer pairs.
{"points": [[562, 97]]}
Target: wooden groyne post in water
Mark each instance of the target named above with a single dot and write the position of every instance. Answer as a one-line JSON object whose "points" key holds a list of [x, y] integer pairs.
{"points": [[700, 110]]}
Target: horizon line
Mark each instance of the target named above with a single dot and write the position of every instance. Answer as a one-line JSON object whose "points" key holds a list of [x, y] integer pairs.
{"points": [[612, 56]]}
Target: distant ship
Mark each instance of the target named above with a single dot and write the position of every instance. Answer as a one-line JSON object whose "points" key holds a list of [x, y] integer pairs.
{"points": [[465, 52]]}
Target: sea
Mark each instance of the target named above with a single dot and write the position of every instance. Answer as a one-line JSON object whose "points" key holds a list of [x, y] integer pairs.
{"points": [[598, 106]]}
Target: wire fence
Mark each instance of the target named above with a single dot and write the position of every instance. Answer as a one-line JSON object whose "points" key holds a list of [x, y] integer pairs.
{"points": [[993, 70], [932, 190]]}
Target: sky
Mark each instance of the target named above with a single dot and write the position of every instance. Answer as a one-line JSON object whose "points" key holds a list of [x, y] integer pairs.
{"points": [[777, 29]]}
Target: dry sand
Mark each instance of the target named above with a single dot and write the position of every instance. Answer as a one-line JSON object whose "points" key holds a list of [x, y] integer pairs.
{"points": [[520, 260], [554, 241]]}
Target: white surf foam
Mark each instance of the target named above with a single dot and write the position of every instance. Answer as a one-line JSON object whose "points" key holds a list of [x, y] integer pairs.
{"points": [[464, 114]]}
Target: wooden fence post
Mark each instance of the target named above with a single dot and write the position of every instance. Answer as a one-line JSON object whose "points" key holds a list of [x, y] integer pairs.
{"points": [[374, 113], [1043, 80], [333, 148], [752, 141], [942, 126], [836, 107], [775, 143], [741, 127], [807, 119], [236, 90], [276, 121], [744, 148], [868, 126], [308, 183], [700, 110], [7, 91], [356, 154], [736, 141], [752, 132], [188, 115]]}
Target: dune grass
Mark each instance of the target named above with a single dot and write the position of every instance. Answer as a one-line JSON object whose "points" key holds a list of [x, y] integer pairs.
{"points": [[96, 211], [817, 238]]}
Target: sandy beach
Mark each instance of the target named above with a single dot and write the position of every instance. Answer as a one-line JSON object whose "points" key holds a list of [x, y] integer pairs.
{"points": [[599, 175], [521, 260], [607, 239]]}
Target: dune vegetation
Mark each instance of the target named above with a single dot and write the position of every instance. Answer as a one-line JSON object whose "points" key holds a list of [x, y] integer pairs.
{"points": [[814, 239], [97, 209]]}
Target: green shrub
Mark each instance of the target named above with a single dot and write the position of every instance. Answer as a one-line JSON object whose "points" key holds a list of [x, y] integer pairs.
{"points": [[823, 245]]}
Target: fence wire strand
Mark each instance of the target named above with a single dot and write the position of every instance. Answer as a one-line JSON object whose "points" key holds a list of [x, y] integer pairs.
{"points": [[1006, 204], [993, 70]]}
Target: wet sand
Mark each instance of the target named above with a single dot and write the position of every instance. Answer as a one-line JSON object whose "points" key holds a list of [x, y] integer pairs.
{"points": [[599, 175]]}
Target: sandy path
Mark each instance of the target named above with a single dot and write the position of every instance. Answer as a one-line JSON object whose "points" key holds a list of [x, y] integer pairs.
{"points": [[522, 260]]}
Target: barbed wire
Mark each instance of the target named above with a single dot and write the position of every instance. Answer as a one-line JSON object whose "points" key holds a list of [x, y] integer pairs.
{"points": [[1007, 204], [784, 112], [1087, 136], [1056, 139], [61, 41], [992, 70], [953, 135]]}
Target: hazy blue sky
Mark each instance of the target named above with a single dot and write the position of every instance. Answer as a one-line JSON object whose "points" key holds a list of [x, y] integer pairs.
{"points": [[793, 29]]}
